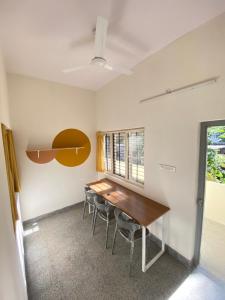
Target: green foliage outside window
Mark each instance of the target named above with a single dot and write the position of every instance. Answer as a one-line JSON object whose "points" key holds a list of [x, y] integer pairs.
{"points": [[216, 160], [216, 135], [215, 166]]}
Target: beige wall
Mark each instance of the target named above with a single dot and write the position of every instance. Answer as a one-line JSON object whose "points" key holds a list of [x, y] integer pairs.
{"points": [[172, 123], [39, 110], [12, 285], [214, 208]]}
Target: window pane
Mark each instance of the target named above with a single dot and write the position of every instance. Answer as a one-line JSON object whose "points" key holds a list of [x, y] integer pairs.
{"points": [[107, 158], [119, 154], [136, 156]]}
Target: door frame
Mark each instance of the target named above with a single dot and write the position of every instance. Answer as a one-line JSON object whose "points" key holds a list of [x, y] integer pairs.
{"points": [[201, 184]]}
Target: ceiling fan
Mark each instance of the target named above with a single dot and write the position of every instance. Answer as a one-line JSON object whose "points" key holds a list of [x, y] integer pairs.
{"points": [[99, 59]]}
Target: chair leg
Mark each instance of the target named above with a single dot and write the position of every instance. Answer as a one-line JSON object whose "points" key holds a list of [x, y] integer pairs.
{"points": [[131, 255], [107, 233], [85, 204], [114, 239], [95, 217]]}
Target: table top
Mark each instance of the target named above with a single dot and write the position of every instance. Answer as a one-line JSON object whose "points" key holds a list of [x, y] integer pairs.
{"points": [[142, 209]]}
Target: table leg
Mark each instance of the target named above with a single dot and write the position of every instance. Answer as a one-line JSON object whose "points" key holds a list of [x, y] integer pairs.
{"points": [[145, 266], [143, 248]]}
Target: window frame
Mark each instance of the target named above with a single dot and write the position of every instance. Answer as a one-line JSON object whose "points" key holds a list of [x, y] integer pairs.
{"points": [[125, 157], [109, 165], [111, 172]]}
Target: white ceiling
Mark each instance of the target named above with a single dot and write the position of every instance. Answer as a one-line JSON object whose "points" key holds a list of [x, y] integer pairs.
{"points": [[41, 37]]}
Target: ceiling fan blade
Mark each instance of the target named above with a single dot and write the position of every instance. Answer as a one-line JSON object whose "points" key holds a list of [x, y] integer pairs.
{"points": [[100, 36], [70, 70], [118, 69]]}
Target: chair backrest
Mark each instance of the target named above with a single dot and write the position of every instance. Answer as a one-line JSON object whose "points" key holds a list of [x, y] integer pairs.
{"points": [[86, 188], [100, 203], [125, 222], [91, 195]]}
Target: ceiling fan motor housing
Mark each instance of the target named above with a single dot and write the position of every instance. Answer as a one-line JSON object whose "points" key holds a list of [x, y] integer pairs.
{"points": [[98, 61]]}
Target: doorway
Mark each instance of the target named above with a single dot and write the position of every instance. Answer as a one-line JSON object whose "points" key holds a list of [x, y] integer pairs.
{"points": [[210, 232]]}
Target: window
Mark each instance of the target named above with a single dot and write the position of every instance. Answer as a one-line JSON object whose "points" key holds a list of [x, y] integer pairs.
{"points": [[119, 154], [136, 156], [107, 158], [124, 154]]}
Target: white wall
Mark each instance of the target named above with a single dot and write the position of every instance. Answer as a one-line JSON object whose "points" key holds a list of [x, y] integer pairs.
{"points": [[12, 285], [214, 208], [39, 111], [172, 123]]}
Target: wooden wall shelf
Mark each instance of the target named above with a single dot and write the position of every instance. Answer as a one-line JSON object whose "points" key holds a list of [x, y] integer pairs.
{"points": [[42, 156], [55, 149], [71, 147]]}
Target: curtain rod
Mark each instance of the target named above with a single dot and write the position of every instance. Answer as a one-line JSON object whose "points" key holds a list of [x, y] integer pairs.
{"points": [[188, 86]]}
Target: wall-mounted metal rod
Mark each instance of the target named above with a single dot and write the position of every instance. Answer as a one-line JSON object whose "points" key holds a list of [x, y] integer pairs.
{"points": [[185, 87], [122, 130]]}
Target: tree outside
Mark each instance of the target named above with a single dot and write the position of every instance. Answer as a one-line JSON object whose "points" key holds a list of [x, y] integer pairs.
{"points": [[216, 154]]}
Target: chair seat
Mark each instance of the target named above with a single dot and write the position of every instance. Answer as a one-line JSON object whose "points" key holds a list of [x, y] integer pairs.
{"points": [[127, 233], [103, 215], [91, 201]]}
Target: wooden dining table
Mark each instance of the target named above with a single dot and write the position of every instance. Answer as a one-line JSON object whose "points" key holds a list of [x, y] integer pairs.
{"points": [[143, 210]]}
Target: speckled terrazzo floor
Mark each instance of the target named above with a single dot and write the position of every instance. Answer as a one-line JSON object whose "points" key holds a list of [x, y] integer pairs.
{"points": [[64, 261]]}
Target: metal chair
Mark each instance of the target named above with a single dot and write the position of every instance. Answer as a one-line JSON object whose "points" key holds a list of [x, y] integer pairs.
{"points": [[129, 230], [90, 195], [105, 211]]}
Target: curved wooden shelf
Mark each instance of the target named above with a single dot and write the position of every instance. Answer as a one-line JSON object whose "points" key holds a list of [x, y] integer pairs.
{"points": [[42, 156], [52, 149]]}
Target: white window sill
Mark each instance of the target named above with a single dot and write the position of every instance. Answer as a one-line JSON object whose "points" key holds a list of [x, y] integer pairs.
{"points": [[128, 182]]}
